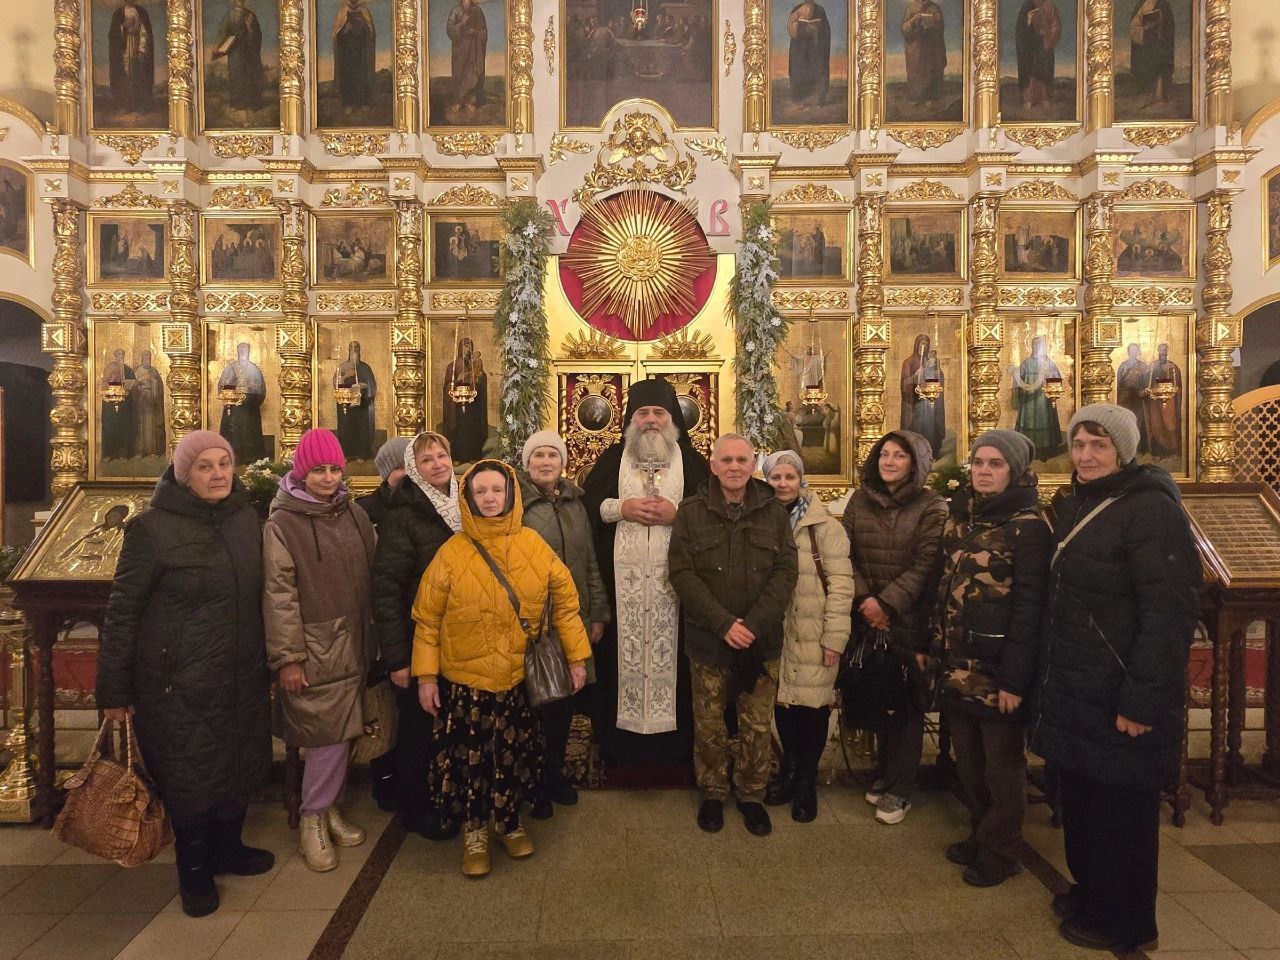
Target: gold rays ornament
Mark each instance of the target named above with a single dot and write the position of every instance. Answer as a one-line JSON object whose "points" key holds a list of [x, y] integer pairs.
{"points": [[637, 254]]}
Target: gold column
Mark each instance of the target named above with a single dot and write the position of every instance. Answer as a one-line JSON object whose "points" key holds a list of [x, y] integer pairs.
{"points": [[293, 339], [1099, 86], [986, 329], [986, 87], [868, 47], [872, 341], [18, 785], [1217, 334], [1217, 57], [181, 344], [293, 61], [66, 64], [64, 339], [181, 70], [521, 38], [408, 375], [408, 104], [753, 66], [1097, 379]]}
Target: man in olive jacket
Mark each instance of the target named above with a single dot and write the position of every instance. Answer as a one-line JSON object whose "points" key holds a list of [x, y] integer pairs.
{"points": [[733, 564]]}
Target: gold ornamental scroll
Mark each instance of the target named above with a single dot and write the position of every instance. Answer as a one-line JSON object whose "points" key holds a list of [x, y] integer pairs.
{"points": [[872, 330], [1099, 79], [293, 338], [1217, 62], [181, 70], [64, 340], [293, 61], [1217, 335], [1097, 378], [178, 335], [986, 329], [408, 374], [986, 88], [66, 65]]}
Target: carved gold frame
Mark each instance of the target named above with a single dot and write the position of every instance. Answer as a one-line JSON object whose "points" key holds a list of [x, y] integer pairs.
{"points": [[197, 28], [1078, 121], [1197, 68], [851, 42], [1192, 268], [1268, 261], [962, 246], [92, 253], [850, 252], [643, 102], [1077, 242], [1190, 382], [86, 31], [313, 251], [896, 318], [848, 450], [313, 77], [966, 76], [206, 278], [428, 241], [30, 180], [92, 409], [512, 54]]}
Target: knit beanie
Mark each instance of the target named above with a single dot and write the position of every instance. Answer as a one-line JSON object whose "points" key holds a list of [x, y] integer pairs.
{"points": [[1120, 424], [783, 456], [315, 448], [390, 456], [544, 438], [1018, 451], [194, 444]]}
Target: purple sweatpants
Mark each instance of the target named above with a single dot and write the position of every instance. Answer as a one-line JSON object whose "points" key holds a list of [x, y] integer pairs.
{"points": [[324, 774]]}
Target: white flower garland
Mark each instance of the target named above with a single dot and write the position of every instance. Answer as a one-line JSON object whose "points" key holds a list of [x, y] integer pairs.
{"points": [[760, 330]]}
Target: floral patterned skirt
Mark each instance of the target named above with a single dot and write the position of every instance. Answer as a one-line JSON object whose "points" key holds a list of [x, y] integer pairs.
{"points": [[489, 756]]}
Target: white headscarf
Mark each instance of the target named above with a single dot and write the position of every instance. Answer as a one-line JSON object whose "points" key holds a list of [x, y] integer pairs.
{"points": [[446, 504]]}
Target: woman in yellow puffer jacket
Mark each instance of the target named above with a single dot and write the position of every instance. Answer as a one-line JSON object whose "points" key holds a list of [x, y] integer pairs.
{"points": [[468, 656]]}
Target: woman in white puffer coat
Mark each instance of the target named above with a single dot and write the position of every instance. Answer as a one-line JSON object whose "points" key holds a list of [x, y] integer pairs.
{"points": [[816, 631]]}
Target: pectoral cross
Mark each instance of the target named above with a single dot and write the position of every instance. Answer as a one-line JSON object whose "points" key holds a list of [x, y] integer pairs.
{"points": [[652, 475]]}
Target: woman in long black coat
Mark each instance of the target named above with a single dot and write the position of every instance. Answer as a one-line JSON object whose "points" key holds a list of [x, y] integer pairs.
{"points": [[182, 649], [1109, 708]]}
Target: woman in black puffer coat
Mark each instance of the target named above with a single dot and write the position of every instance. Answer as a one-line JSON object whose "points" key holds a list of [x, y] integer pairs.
{"points": [[1119, 621], [182, 649]]}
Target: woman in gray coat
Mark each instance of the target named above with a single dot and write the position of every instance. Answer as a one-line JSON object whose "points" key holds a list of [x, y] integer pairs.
{"points": [[553, 507]]}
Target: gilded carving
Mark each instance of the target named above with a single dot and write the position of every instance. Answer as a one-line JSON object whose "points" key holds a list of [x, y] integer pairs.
{"points": [[292, 343], [562, 145], [410, 370], [243, 302], [985, 55], [789, 298], [924, 138], [130, 148], [293, 64], [1040, 136], [869, 44], [985, 330], [355, 144], [480, 300], [1153, 190], [872, 330], [184, 365], [126, 301], [355, 195], [520, 184], [467, 195], [520, 38], [1097, 379], [924, 190], [1154, 297], [64, 339], [240, 196], [241, 145], [1217, 61], [1157, 136], [730, 45], [1217, 335], [468, 143], [1040, 190], [181, 69], [812, 139], [930, 296], [638, 151], [753, 65], [549, 45], [1036, 297], [712, 147], [130, 198], [811, 193], [593, 345], [684, 345], [67, 18], [1098, 62], [379, 301], [407, 39]]}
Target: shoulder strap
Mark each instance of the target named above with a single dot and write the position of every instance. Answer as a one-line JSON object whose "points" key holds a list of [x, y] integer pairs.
{"points": [[1080, 526], [497, 573], [817, 559]]}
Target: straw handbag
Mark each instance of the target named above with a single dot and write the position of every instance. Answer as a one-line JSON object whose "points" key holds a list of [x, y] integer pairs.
{"points": [[112, 810]]}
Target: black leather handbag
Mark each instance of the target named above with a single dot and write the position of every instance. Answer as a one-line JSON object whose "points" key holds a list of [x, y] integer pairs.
{"points": [[874, 686]]}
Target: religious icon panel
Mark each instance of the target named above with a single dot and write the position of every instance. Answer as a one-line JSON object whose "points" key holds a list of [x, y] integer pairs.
{"points": [[1153, 369], [924, 245], [243, 251], [242, 368], [1039, 244], [698, 394], [127, 250], [239, 53], [925, 371], [925, 65], [617, 50], [353, 64], [129, 65], [82, 539], [591, 407], [462, 401], [1157, 241], [1155, 48], [467, 63], [1271, 218], [466, 248], [814, 387], [352, 384], [809, 63], [1039, 76], [813, 245], [1039, 394], [129, 406], [16, 213], [355, 249]]}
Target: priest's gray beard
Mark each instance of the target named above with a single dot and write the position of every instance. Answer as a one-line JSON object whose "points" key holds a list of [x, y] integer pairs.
{"points": [[660, 444]]}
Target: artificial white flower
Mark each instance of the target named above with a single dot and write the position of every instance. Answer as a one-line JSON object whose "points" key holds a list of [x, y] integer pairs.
{"points": [[953, 484]]}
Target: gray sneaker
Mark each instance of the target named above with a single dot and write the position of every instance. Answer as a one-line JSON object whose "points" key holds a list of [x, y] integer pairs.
{"points": [[891, 809], [874, 794]]}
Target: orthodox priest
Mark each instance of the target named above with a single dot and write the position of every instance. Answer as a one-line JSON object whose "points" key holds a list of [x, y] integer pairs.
{"points": [[645, 713]]}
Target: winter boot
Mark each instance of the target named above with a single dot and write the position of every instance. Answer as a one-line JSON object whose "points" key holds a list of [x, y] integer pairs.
{"points": [[475, 853], [782, 786], [230, 855], [341, 832], [314, 843], [804, 802], [195, 870]]}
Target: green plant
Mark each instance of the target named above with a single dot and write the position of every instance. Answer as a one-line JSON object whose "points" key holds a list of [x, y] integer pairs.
{"points": [[9, 558], [261, 480], [951, 481]]}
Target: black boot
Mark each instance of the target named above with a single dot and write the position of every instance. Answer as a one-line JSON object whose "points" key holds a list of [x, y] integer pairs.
{"points": [[782, 785], [230, 855], [195, 870], [804, 802], [386, 788]]}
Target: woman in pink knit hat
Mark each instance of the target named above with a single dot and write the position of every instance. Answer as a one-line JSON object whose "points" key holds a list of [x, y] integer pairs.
{"points": [[317, 549]]}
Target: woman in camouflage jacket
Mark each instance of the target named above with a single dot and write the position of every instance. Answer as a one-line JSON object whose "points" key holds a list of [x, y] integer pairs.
{"points": [[996, 549]]}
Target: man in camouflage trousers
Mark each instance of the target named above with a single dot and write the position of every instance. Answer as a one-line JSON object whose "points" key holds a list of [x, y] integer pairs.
{"points": [[733, 564]]}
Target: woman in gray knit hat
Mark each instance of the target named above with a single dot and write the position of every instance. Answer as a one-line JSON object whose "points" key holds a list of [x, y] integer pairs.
{"points": [[996, 548], [1119, 619]]}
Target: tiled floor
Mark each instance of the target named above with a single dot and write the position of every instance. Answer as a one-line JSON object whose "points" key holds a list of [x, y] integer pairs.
{"points": [[628, 875]]}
